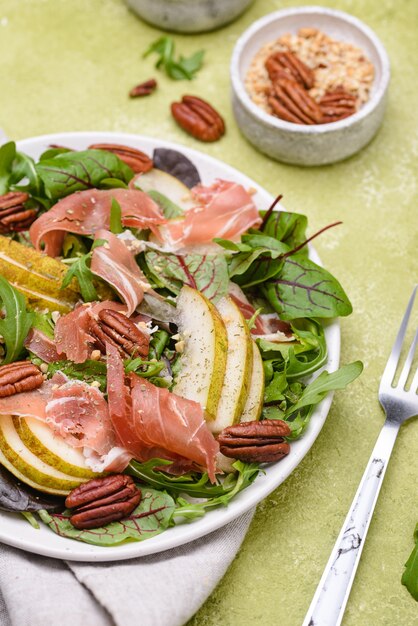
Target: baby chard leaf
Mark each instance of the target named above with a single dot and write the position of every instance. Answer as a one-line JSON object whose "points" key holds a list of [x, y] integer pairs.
{"points": [[75, 171], [16, 323], [290, 228], [151, 517], [304, 289], [208, 273]]}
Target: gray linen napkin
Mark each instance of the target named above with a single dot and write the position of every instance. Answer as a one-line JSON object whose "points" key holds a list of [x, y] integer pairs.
{"points": [[164, 589]]}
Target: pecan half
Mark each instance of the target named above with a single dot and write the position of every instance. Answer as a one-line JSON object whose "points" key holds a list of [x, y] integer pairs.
{"points": [[336, 105], [292, 102], [258, 441], [102, 500], [19, 376], [14, 216], [198, 118], [143, 89], [121, 332], [288, 65], [138, 161]]}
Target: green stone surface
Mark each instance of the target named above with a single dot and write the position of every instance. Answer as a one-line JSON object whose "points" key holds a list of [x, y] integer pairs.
{"points": [[68, 65]]}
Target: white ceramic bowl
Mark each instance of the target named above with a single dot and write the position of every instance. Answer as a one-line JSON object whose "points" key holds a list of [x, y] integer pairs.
{"points": [[188, 16], [318, 144]]}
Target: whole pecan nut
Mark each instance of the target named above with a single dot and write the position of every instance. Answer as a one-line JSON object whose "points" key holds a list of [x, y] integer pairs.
{"points": [[138, 161], [288, 65], [198, 118], [293, 103], [143, 89], [14, 216], [102, 500], [19, 376], [336, 105], [117, 329], [255, 442]]}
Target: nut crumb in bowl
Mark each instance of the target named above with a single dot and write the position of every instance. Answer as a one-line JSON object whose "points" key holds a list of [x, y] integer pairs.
{"points": [[338, 67]]}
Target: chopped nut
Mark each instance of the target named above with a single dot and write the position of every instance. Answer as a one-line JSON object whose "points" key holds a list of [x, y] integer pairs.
{"points": [[179, 346], [96, 355], [44, 368]]}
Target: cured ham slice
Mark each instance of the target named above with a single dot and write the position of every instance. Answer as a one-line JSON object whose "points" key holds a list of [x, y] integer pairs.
{"points": [[79, 414], [30, 403], [225, 210], [85, 212], [72, 338], [42, 346], [165, 419], [116, 264], [153, 422]]}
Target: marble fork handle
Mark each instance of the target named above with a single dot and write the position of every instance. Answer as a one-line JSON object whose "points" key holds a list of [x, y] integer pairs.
{"points": [[330, 599]]}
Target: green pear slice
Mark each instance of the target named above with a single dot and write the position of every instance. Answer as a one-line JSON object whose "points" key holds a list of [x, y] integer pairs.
{"points": [[52, 450], [26, 466], [205, 344], [254, 404], [239, 365], [168, 186]]}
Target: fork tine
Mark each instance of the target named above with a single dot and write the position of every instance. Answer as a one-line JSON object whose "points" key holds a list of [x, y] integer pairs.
{"points": [[393, 359], [408, 362], [414, 384]]}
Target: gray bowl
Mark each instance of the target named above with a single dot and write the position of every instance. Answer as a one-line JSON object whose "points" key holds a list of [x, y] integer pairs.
{"points": [[189, 16], [318, 144]]}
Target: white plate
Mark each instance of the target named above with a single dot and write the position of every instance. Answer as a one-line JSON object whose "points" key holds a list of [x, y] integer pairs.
{"points": [[15, 531]]}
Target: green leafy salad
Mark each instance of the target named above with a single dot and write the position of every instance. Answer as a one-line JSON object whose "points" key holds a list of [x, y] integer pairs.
{"points": [[159, 339]]}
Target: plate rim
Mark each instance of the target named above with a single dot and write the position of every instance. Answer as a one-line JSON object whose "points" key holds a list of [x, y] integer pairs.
{"points": [[77, 551]]}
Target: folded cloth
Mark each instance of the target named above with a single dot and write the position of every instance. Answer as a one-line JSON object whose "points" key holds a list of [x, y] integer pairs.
{"points": [[164, 589]]}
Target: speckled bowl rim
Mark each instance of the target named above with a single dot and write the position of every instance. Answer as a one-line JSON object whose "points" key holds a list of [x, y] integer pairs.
{"points": [[320, 129]]}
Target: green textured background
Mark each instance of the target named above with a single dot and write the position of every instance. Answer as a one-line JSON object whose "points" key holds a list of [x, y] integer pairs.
{"points": [[68, 65]]}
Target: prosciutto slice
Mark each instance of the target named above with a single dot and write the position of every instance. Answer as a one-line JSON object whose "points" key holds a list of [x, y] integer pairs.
{"points": [[72, 338], [116, 264], [85, 212], [225, 210], [42, 346], [31, 403], [153, 422], [79, 414]]}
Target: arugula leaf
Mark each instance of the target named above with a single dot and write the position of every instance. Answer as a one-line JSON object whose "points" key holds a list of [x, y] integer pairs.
{"points": [[246, 474], [208, 273], [75, 171], [89, 371], [16, 323], [184, 68], [304, 289], [410, 575], [7, 156], [169, 208], [80, 270], [318, 389], [24, 168], [115, 223], [151, 517]]}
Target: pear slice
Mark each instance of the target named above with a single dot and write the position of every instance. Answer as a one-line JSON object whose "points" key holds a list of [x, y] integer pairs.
{"points": [[254, 404], [239, 365], [27, 467], [167, 185], [50, 449], [204, 342]]}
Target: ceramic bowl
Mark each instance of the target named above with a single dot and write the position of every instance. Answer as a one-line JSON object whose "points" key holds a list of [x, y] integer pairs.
{"points": [[188, 16], [318, 144]]}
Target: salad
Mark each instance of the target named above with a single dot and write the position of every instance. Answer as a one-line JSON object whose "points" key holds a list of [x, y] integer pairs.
{"points": [[159, 337]]}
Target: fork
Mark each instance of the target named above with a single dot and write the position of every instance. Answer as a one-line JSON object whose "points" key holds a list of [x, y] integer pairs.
{"points": [[330, 599]]}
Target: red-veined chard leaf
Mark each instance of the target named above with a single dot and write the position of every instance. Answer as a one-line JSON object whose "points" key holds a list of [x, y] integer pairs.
{"points": [[208, 273], [303, 289], [74, 171], [151, 517], [290, 228]]}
